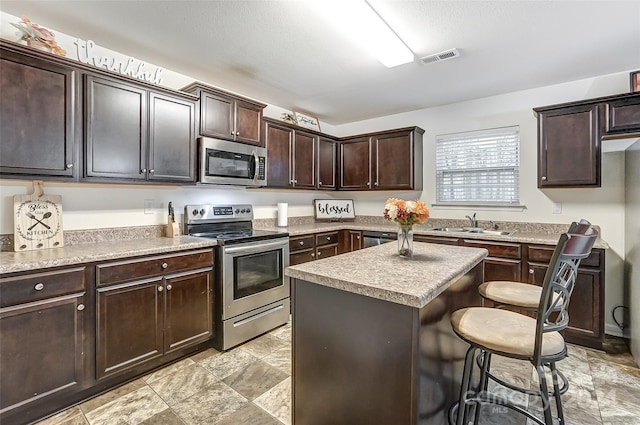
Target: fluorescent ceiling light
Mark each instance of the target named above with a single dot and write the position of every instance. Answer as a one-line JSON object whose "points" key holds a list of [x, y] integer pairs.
{"points": [[363, 24]]}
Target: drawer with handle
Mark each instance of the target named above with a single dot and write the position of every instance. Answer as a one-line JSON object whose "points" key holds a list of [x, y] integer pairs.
{"points": [[326, 238], [38, 286], [300, 243], [123, 271]]}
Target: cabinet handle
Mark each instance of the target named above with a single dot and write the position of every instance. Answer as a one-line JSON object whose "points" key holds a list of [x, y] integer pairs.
{"points": [[39, 286], [237, 133], [328, 238], [301, 243], [69, 166], [159, 288], [169, 287], [164, 265], [80, 307], [319, 253], [295, 181], [152, 170], [544, 178], [376, 183], [369, 184], [319, 183], [358, 237], [313, 255], [232, 132], [530, 271], [144, 170]]}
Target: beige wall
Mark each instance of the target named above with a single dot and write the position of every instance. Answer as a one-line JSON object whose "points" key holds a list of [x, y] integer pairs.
{"points": [[632, 244]]}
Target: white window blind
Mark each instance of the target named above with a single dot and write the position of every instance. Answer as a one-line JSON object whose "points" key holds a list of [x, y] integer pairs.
{"points": [[479, 167]]}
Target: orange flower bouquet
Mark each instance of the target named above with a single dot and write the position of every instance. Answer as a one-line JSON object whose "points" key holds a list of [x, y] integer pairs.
{"points": [[405, 213]]}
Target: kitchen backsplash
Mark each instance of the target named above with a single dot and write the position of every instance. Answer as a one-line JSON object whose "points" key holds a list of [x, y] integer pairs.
{"points": [[72, 237]]}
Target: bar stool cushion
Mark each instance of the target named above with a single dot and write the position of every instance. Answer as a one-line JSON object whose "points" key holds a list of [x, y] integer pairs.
{"points": [[512, 293], [503, 331]]}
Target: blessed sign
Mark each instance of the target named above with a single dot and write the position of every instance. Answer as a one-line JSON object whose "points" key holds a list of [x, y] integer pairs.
{"points": [[338, 209]]}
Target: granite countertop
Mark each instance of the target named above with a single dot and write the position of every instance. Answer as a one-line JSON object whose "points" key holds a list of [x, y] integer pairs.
{"points": [[98, 251], [531, 235], [379, 272]]}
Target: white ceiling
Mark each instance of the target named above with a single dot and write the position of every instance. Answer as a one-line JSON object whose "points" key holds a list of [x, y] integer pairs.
{"points": [[287, 54]]}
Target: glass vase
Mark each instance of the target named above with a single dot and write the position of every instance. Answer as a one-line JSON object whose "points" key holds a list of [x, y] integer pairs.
{"points": [[405, 241]]}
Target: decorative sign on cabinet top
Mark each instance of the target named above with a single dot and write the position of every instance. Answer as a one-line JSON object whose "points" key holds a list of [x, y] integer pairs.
{"points": [[334, 209], [130, 67]]}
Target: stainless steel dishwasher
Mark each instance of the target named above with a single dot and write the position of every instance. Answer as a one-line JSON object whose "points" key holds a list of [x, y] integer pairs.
{"points": [[377, 238]]}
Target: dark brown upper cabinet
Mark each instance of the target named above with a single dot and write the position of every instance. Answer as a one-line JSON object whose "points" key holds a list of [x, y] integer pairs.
{"points": [[291, 157], [569, 146], [327, 162], [355, 164], [38, 117], [389, 160], [570, 134], [622, 116], [226, 116], [133, 133]]}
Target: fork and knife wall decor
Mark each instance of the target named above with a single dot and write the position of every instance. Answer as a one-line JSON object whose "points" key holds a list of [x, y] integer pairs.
{"points": [[37, 220]]}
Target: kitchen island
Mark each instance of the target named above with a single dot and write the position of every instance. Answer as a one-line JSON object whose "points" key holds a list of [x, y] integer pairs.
{"points": [[372, 343]]}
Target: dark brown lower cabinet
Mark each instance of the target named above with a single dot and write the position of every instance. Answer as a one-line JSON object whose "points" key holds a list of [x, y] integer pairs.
{"points": [[586, 309], [350, 240], [504, 261], [142, 320], [42, 342], [528, 263], [129, 324]]}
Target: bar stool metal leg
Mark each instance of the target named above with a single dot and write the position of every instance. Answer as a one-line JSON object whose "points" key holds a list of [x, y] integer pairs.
{"points": [[485, 364], [544, 395], [460, 409], [557, 392]]}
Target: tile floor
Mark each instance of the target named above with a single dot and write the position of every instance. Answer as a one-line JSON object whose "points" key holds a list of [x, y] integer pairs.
{"points": [[251, 385]]}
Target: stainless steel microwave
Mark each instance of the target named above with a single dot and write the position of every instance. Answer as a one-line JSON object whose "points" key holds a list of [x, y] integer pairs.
{"points": [[232, 163]]}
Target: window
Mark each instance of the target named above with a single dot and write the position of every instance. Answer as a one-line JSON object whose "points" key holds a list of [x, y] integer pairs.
{"points": [[478, 167]]}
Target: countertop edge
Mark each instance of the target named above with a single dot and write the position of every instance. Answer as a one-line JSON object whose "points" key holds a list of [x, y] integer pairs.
{"points": [[405, 298], [13, 262]]}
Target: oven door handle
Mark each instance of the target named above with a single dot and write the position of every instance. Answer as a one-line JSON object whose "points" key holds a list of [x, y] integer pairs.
{"points": [[260, 247]]}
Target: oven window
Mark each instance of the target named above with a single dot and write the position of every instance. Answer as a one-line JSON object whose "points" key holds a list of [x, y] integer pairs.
{"points": [[256, 273], [227, 164]]}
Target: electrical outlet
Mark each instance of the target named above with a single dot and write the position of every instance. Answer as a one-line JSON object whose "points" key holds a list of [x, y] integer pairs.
{"points": [[148, 206], [557, 208]]}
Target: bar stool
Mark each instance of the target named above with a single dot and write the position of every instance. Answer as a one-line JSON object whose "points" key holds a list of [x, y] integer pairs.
{"points": [[518, 336], [505, 293]]}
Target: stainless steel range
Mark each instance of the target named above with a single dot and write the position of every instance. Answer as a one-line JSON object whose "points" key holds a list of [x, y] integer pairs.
{"points": [[252, 292]]}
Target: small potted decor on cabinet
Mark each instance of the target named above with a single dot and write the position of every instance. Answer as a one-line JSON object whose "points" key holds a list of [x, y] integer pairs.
{"points": [[406, 214], [38, 37]]}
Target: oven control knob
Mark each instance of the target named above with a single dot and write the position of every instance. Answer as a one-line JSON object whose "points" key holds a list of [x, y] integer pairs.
{"points": [[248, 210], [237, 211], [194, 212], [202, 211]]}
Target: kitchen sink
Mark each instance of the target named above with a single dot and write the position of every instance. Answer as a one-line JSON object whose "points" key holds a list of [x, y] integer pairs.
{"points": [[475, 230]]}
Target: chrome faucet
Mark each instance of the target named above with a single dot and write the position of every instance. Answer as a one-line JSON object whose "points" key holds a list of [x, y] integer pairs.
{"points": [[472, 220]]}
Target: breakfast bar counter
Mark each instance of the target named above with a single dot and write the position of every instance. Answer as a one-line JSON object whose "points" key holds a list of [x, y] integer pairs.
{"points": [[372, 341]]}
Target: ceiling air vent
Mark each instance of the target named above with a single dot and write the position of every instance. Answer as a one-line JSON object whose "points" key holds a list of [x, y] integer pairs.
{"points": [[442, 56]]}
